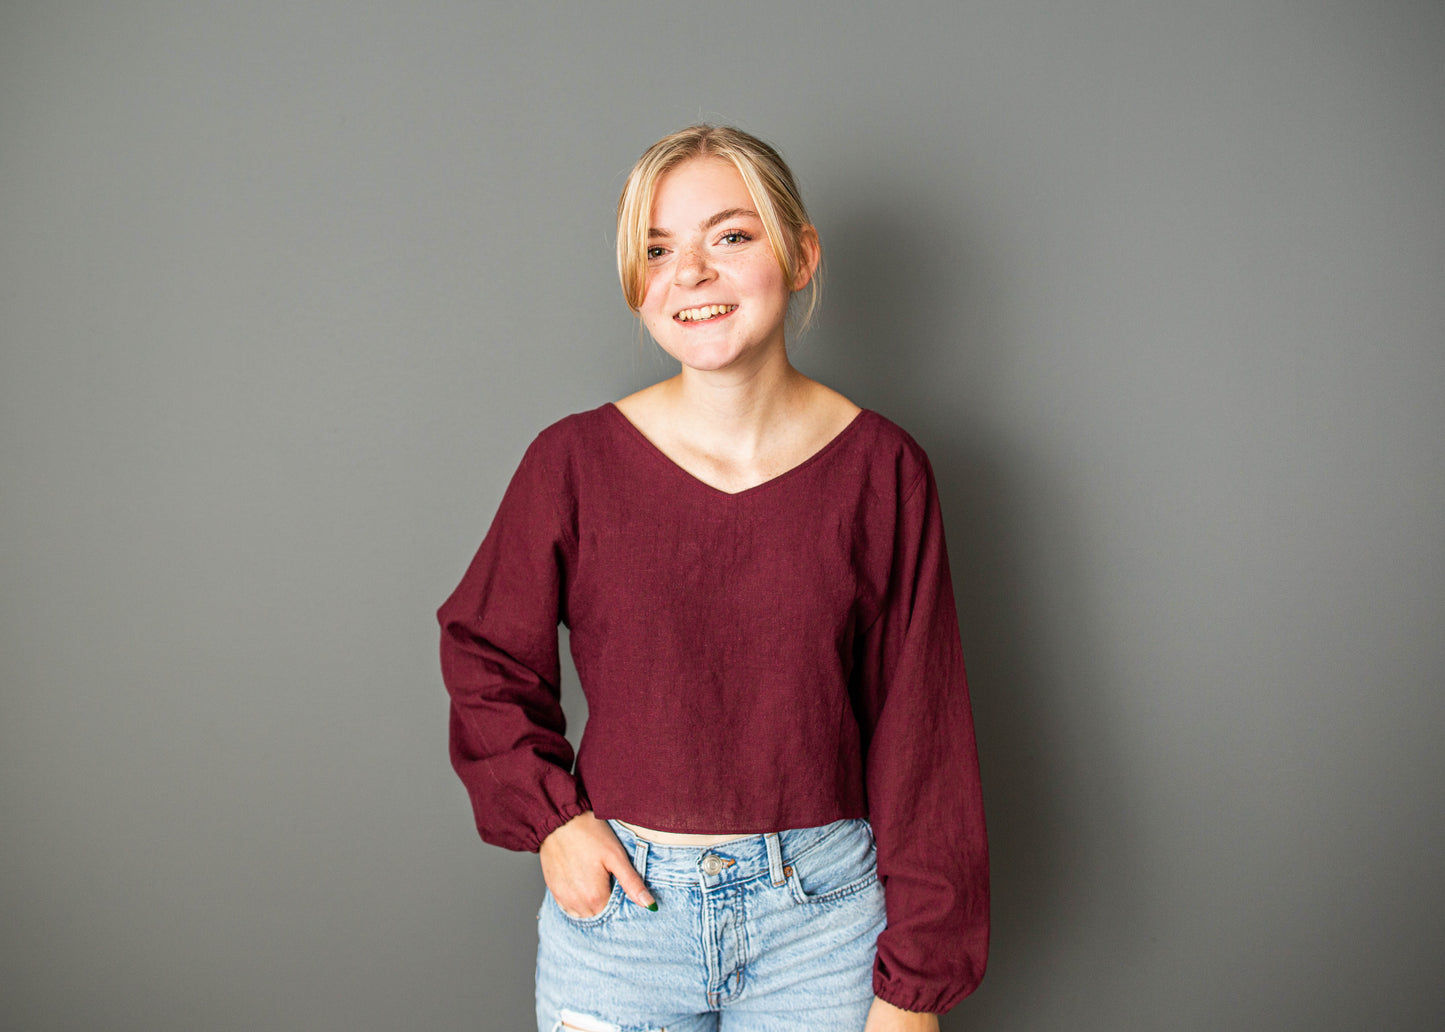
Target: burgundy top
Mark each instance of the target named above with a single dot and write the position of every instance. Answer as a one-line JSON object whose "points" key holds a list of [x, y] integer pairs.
{"points": [[782, 657]]}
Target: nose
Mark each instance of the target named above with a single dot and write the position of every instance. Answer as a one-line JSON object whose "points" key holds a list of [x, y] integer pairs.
{"points": [[692, 268]]}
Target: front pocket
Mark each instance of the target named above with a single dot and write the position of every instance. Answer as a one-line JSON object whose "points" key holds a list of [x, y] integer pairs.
{"points": [[843, 864], [614, 901]]}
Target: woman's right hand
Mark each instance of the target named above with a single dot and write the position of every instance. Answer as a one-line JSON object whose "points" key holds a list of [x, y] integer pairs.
{"points": [[579, 861]]}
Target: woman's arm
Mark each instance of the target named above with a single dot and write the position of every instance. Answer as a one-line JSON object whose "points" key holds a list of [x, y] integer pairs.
{"points": [[924, 797], [884, 1017], [500, 661]]}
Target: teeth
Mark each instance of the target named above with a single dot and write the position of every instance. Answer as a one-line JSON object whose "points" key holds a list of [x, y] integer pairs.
{"points": [[703, 313]]}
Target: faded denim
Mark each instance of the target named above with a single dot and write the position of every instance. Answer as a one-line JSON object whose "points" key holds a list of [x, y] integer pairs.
{"points": [[770, 933]]}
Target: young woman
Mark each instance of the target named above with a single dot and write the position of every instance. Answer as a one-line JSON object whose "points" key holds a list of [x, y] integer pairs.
{"points": [[774, 820]]}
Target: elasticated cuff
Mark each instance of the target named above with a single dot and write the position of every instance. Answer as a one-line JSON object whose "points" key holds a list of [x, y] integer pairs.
{"points": [[560, 817], [922, 1000]]}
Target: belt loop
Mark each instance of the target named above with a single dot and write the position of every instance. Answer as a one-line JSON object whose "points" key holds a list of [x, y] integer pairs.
{"points": [[639, 858], [775, 857]]}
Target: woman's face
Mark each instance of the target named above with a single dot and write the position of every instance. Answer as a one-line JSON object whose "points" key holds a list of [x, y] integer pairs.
{"points": [[715, 295]]}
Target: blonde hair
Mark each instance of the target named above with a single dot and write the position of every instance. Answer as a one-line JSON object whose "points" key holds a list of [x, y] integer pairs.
{"points": [[768, 179]]}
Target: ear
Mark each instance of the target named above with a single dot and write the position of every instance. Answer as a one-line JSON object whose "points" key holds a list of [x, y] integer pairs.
{"points": [[810, 253]]}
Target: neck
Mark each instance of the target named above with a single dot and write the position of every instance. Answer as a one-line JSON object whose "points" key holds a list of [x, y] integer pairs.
{"points": [[735, 410]]}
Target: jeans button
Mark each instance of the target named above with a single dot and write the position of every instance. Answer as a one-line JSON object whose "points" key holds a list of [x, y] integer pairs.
{"points": [[711, 865]]}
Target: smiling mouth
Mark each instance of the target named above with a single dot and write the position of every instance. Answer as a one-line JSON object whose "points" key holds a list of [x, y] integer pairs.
{"points": [[705, 313]]}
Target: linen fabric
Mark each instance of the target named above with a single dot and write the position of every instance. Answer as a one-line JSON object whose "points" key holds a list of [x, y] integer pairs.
{"points": [[767, 933], [782, 657]]}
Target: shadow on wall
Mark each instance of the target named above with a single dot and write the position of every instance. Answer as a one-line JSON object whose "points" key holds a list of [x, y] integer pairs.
{"points": [[917, 329]]}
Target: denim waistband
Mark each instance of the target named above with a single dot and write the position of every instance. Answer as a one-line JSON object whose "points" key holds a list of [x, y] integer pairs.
{"points": [[728, 863]]}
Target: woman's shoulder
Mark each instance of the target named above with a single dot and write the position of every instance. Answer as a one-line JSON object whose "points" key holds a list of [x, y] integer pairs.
{"points": [[891, 437], [559, 457], [647, 408], [577, 430], [885, 442]]}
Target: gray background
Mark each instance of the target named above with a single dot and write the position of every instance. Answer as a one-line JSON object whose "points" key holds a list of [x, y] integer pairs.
{"points": [[286, 288]]}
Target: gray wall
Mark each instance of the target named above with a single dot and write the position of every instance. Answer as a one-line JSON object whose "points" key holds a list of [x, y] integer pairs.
{"points": [[285, 288]]}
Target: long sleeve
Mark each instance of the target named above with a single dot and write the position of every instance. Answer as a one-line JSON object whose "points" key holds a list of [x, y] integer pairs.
{"points": [[921, 770], [500, 662]]}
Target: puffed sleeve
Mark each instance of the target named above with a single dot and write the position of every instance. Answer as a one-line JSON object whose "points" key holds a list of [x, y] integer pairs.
{"points": [[924, 797], [500, 661]]}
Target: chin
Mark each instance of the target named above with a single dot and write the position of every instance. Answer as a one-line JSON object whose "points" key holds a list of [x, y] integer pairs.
{"points": [[704, 359], [700, 365]]}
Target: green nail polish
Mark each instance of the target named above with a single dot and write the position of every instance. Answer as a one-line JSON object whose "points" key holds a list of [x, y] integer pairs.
{"points": [[652, 906]]}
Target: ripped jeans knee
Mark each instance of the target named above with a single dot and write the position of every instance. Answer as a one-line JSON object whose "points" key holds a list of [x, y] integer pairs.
{"points": [[571, 1021]]}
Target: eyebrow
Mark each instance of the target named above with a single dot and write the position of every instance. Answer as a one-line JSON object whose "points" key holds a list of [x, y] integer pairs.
{"points": [[722, 216]]}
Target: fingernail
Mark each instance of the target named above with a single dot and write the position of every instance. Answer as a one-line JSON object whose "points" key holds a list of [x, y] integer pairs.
{"points": [[652, 906]]}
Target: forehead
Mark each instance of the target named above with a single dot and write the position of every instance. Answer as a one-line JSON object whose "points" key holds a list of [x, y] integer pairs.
{"points": [[697, 189]]}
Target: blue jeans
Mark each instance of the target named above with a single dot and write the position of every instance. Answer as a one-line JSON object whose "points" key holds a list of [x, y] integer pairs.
{"points": [[770, 933]]}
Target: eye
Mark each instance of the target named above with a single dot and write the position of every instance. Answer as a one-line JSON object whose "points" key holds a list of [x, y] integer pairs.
{"points": [[735, 236], [656, 252]]}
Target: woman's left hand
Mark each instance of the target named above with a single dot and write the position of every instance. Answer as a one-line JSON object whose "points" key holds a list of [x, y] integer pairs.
{"points": [[884, 1017]]}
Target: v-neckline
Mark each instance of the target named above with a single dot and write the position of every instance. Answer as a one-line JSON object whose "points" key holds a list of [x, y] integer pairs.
{"points": [[651, 447]]}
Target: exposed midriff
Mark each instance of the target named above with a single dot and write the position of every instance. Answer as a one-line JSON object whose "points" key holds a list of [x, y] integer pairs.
{"points": [[673, 838]]}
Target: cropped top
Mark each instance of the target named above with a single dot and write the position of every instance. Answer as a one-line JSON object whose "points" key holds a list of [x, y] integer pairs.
{"points": [[781, 657]]}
